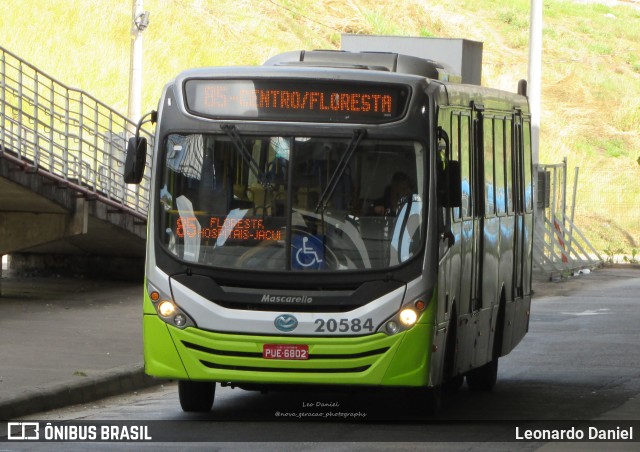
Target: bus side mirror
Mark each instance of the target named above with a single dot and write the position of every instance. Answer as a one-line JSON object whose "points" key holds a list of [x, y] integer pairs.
{"points": [[135, 160], [451, 190]]}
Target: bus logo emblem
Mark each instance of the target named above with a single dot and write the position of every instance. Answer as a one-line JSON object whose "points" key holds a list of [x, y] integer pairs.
{"points": [[286, 322]]}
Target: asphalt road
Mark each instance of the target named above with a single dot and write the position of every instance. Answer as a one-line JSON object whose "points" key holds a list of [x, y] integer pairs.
{"points": [[579, 365]]}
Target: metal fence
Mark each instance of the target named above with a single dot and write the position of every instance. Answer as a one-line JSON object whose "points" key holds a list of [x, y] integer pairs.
{"points": [[587, 215], [67, 135], [608, 207], [560, 248]]}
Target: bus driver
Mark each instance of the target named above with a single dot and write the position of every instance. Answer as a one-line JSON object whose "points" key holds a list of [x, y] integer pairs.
{"points": [[399, 188]]}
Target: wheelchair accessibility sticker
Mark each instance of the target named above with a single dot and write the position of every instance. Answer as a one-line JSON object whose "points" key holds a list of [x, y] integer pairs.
{"points": [[307, 253]]}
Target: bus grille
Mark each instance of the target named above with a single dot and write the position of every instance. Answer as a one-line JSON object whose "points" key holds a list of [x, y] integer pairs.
{"points": [[274, 307], [210, 363], [284, 369]]}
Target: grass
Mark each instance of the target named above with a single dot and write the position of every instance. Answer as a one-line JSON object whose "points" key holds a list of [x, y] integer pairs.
{"points": [[591, 63]]}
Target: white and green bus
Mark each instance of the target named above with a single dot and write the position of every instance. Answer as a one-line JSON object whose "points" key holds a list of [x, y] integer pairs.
{"points": [[335, 218]]}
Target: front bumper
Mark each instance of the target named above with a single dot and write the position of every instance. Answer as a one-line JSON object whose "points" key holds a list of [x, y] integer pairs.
{"points": [[376, 359]]}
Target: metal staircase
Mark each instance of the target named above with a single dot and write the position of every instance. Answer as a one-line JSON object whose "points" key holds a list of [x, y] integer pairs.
{"points": [[66, 136]]}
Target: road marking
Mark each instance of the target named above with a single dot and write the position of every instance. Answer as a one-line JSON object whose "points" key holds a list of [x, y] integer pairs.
{"points": [[589, 312]]}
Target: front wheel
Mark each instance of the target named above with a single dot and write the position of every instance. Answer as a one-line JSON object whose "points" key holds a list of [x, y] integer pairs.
{"points": [[425, 401], [484, 377], [196, 396]]}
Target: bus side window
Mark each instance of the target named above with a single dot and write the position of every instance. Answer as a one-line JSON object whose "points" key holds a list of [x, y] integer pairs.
{"points": [[489, 184], [465, 168], [499, 166], [448, 173], [455, 151], [528, 187], [508, 164], [517, 165]]}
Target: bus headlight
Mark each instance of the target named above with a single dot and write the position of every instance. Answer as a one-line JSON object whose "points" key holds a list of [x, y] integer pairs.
{"points": [[167, 309], [180, 320], [408, 317], [392, 327]]}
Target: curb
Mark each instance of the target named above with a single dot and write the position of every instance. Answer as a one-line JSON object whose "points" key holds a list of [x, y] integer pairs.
{"points": [[110, 383]]}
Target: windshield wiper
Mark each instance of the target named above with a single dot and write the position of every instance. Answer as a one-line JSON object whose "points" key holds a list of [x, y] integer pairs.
{"points": [[358, 135], [232, 133]]}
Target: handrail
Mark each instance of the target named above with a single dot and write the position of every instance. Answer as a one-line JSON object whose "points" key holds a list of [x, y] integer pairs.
{"points": [[559, 246], [67, 135]]}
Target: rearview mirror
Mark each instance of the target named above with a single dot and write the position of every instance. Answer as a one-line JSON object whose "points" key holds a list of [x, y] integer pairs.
{"points": [[450, 190], [135, 160]]}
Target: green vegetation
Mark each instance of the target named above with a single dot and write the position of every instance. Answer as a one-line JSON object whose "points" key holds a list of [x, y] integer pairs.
{"points": [[591, 72]]}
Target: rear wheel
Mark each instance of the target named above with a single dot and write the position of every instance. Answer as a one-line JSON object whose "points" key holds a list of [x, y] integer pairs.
{"points": [[196, 396]]}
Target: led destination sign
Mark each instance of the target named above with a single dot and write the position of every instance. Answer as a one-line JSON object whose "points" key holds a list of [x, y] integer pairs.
{"points": [[296, 100], [247, 229]]}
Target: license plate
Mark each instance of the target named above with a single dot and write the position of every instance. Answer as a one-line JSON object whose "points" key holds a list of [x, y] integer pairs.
{"points": [[285, 351]]}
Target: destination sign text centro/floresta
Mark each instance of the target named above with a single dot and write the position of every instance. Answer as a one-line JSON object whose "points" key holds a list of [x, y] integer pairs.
{"points": [[296, 100]]}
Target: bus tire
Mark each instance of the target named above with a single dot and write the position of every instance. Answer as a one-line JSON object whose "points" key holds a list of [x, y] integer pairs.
{"points": [[452, 385], [425, 401], [196, 396], [432, 400], [451, 381], [484, 377]]}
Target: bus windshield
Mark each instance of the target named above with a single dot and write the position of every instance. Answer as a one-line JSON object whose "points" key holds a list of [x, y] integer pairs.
{"points": [[283, 203]]}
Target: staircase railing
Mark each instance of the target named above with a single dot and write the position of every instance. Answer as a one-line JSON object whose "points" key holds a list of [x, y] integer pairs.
{"points": [[67, 135]]}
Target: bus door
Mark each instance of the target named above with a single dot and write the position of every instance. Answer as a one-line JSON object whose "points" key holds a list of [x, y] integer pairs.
{"points": [[518, 184], [468, 218], [470, 237], [477, 156]]}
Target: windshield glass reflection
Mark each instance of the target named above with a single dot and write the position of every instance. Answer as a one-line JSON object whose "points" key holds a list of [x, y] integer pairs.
{"points": [[291, 203]]}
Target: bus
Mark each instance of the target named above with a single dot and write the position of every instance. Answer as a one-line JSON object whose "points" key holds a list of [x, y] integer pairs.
{"points": [[335, 219]]}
